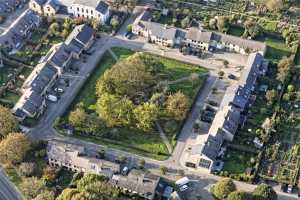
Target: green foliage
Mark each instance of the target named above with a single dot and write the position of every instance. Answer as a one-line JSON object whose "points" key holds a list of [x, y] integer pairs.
{"points": [[146, 114], [223, 188], [88, 179], [270, 96], [239, 195], [264, 192], [27, 168], [45, 195], [67, 194], [9, 154], [114, 22], [8, 123], [31, 187], [177, 105], [284, 69], [78, 117], [223, 24], [115, 111], [54, 28], [252, 29], [185, 22]]}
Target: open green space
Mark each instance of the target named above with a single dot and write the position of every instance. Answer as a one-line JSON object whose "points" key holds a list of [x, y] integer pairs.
{"points": [[181, 77], [236, 162], [276, 48]]}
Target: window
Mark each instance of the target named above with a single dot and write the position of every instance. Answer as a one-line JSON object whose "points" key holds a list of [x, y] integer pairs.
{"points": [[87, 11], [82, 10], [77, 9], [92, 12], [204, 163], [34, 5]]}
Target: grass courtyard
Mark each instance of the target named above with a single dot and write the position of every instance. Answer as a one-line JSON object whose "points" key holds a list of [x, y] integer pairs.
{"points": [[132, 139]]}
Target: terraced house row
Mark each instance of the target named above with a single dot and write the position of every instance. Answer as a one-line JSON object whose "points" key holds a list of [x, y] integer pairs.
{"points": [[231, 115], [193, 37], [32, 103]]}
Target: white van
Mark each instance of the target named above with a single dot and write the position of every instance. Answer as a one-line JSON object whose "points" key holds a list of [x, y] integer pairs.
{"points": [[183, 181], [51, 98]]}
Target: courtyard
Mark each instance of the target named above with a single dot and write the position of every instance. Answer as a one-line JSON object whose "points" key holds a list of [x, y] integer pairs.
{"points": [[180, 77]]}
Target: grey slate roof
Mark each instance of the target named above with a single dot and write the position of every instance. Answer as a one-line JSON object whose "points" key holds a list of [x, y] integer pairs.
{"points": [[83, 33], [40, 2], [89, 3], [102, 7], [199, 36], [33, 102], [212, 145], [43, 78], [60, 56], [160, 30]]}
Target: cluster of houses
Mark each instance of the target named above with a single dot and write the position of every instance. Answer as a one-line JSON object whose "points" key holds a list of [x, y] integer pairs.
{"points": [[75, 158], [32, 102], [193, 37], [21, 29], [238, 97], [88, 9], [8, 6], [237, 100]]}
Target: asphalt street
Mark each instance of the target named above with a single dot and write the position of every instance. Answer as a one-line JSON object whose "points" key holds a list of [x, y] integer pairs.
{"points": [[7, 190]]}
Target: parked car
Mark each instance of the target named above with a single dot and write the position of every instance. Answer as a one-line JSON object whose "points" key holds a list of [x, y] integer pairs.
{"points": [[52, 98], [183, 188], [231, 76], [284, 187], [59, 90], [125, 171], [290, 189]]}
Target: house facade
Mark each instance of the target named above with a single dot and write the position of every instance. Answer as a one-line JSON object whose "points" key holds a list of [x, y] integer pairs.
{"points": [[74, 158], [96, 9]]}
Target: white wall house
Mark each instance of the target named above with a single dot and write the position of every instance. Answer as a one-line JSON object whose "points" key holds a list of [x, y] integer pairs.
{"points": [[98, 10]]}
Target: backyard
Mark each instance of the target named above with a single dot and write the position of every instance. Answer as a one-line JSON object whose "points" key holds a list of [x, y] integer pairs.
{"points": [[132, 139]]}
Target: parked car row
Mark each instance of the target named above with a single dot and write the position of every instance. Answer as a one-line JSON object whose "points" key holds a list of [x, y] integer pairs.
{"points": [[208, 114]]}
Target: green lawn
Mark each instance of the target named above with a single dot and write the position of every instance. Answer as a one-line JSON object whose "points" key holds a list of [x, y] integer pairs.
{"points": [[236, 162], [236, 31], [276, 48], [131, 139]]}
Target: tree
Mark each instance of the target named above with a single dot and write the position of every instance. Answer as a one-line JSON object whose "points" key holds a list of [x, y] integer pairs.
{"points": [[163, 170], [291, 88], [274, 5], [45, 195], [129, 27], [267, 126], [27, 168], [98, 191], [223, 188], [78, 117], [114, 22], [67, 24], [9, 154], [264, 192], [88, 179], [31, 187], [223, 24], [64, 34], [177, 105], [49, 173], [212, 23], [54, 28], [239, 195], [146, 114], [8, 123], [67, 194], [252, 29], [270, 96], [114, 110], [185, 22], [284, 68]]}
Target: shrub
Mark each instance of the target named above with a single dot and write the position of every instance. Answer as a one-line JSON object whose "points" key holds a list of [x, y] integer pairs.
{"points": [[27, 168]]}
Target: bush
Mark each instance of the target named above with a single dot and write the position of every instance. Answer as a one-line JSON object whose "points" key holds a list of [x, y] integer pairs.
{"points": [[27, 168], [223, 188]]}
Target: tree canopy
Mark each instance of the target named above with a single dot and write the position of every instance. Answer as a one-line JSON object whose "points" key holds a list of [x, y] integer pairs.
{"points": [[223, 188], [264, 192], [9, 154], [239, 195], [177, 105], [8, 122]]}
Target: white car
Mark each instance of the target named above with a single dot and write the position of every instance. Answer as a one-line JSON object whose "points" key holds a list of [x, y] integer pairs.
{"points": [[183, 188], [51, 98], [60, 90]]}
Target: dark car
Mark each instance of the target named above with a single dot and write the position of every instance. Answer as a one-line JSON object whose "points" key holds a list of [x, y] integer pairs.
{"points": [[231, 76], [284, 187]]}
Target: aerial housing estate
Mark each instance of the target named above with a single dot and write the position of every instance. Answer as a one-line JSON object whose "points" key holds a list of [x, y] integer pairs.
{"points": [[21, 29], [32, 102], [87, 9], [77, 159], [237, 99]]}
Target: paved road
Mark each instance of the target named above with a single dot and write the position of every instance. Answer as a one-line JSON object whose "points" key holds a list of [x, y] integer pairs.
{"points": [[7, 190]]}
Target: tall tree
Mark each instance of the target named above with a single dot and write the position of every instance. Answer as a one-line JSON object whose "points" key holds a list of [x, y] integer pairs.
{"points": [[78, 117], [264, 192], [31, 187], [223, 24], [239, 195], [223, 188], [9, 154], [146, 114], [8, 123], [177, 105], [45, 195], [284, 69], [270, 96], [274, 5]]}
